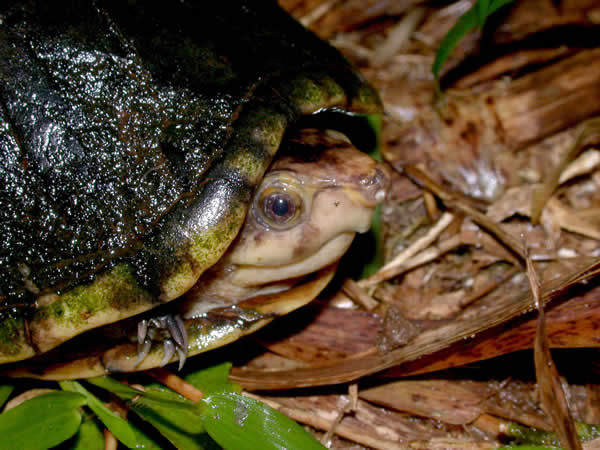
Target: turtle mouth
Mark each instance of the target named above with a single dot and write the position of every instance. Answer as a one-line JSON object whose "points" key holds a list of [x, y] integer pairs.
{"points": [[331, 251]]}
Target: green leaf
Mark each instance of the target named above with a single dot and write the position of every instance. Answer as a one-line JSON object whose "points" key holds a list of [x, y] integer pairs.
{"points": [[496, 5], [176, 418], [120, 389], [461, 28], [181, 427], [89, 436], [5, 391], [154, 398], [482, 7], [213, 379], [41, 422], [123, 430], [374, 239], [238, 422], [178, 429], [375, 122], [467, 22]]}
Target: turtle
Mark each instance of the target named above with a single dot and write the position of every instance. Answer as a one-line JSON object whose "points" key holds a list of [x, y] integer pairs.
{"points": [[170, 181]]}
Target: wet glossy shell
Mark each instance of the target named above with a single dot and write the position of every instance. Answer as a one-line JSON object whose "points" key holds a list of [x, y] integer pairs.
{"points": [[132, 136]]}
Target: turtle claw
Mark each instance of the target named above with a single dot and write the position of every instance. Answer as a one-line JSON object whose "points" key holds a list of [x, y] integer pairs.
{"points": [[176, 329], [176, 341], [143, 350], [182, 357], [168, 350], [142, 331]]}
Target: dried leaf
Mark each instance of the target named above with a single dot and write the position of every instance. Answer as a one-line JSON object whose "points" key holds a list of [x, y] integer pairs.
{"points": [[542, 195], [426, 343], [551, 392], [437, 399]]}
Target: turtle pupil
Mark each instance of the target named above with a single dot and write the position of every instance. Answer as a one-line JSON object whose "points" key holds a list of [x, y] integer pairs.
{"points": [[280, 207]]}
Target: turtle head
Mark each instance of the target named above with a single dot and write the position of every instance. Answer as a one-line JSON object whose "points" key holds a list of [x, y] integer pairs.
{"points": [[317, 195]]}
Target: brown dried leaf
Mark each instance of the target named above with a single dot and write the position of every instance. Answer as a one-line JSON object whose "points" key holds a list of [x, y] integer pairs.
{"points": [[570, 220], [436, 399], [542, 195], [323, 334], [370, 425], [426, 343], [592, 405], [552, 395], [592, 445]]}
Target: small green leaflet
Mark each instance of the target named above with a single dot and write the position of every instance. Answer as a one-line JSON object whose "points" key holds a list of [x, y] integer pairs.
{"points": [[213, 379], [482, 7], [374, 239], [41, 422], [375, 122], [238, 423], [123, 430], [176, 418], [5, 391], [154, 398], [476, 16], [89, 436]]}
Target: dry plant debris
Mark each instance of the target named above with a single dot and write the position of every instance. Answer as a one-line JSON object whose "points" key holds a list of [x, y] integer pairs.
{"points": [[496, 184]]}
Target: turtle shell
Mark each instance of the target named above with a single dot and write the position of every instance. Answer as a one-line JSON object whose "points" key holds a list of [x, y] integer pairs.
{"points": [[133, 135]]}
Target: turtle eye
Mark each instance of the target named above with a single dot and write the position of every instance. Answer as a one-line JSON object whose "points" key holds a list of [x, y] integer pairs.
{"points": [[278, 207]]}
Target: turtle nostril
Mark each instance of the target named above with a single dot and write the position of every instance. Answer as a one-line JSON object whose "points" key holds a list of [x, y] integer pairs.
{"points": [[382, 179], [375, 186]]}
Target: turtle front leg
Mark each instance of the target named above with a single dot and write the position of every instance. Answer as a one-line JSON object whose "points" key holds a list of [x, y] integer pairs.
{"points": [[176, 339]]}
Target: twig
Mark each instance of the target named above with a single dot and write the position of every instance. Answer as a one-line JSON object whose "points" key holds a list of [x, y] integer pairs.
{"points": [[110, 441], [489, 287], [456, 202], [326, 439], [353, 394], [353, 290], [400, 260], [317, 13], [176, 383], [398, 36], [320, 423], [419, 259]]}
